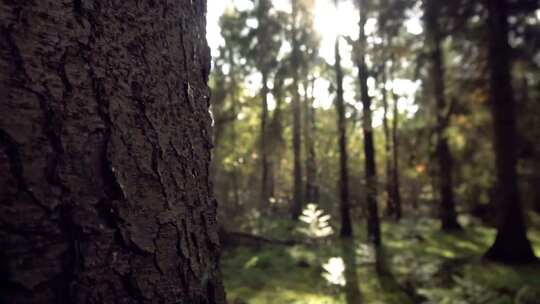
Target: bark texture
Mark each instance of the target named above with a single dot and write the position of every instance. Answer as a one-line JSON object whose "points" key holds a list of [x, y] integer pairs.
{"points": [[104, 151], [511, 244]]}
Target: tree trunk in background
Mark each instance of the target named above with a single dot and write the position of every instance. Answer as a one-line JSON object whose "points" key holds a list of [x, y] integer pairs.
{"points": [[353, 295], [536, 190], [105, 144], [344, 204], [296, 206], [511, 244], [390, 209], [447, 212], [265, 161], [396, 195], [312, 188], [391, 153], [276, 133], [235, 177], [373, 225]]}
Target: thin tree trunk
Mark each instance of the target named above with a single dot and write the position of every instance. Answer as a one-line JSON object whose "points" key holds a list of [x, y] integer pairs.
{"points": [[297, 203], [447, 212], [344, 206], [390, 207], [265, 161], [232, 70], [391, 153], [276, 127], [537, 190], [535, 159], [353, 295], [511, 244], [396, 195], [105, 144], [312, 189], [373, 225]]}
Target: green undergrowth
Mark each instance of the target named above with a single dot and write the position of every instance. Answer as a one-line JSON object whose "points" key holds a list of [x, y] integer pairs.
{"points": [[421, 263]]}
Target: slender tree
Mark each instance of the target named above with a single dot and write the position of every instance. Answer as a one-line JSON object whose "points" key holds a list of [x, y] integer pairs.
{"points": [[266, 178], [373, 225], [391, 147], [260, 47], [390, 18], [353, 295], [447, 212], [387, 142], [312, 188], [344, 203], [105, 144], [234, 110], [511, 244], [396, 195], [297, 202]]}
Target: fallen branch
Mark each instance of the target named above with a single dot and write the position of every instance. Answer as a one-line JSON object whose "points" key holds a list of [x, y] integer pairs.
{"points": [[231, 239]]}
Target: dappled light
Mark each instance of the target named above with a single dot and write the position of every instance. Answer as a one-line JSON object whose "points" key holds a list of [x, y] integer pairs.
{"points": [[334, 271], [270, 152], [318, 223], [396, 150]]}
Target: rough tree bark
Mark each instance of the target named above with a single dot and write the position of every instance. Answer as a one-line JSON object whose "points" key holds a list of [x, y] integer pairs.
{"points": [[344, 204], [511, 244], [104, 152], [447, 212], [373, 225]]}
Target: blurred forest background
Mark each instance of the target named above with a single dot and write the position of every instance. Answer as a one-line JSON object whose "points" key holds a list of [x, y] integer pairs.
{"points": [[377, 151]]}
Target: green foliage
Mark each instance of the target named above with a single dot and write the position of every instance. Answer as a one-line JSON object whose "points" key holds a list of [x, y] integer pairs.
{"points": [[425, 266]]}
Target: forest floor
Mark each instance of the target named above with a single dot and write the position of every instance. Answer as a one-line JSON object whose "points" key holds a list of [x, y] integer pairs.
{"points": [[418, 264]]}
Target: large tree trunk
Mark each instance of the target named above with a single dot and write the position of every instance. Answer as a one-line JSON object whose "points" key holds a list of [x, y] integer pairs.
{"points": [[447, 212], [297, 202], [104, 152], [511, 244], [373, 225], [344, 204]]}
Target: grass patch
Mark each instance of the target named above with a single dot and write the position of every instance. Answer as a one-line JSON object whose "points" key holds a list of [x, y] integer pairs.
{"points": [[424, 265]]}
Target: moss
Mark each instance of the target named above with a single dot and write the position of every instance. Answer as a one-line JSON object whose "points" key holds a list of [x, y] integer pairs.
{"points": [[423, 264]]}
